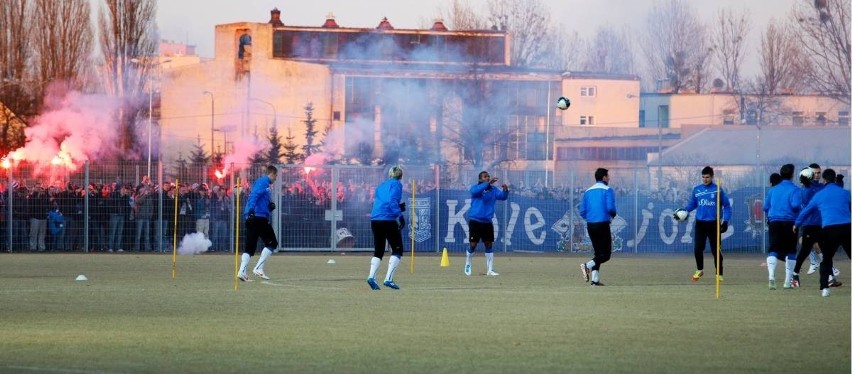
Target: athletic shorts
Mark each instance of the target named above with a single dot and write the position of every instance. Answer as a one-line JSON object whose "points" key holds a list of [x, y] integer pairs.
{"points": [[481, 231]]}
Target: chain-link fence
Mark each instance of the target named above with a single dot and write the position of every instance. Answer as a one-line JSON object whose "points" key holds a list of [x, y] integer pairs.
{"points": [[114, 207]]}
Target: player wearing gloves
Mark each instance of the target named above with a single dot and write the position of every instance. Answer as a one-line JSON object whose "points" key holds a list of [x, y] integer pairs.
{"points": [[598, 209], [483, 198], [257, 213], [703, 201], [387, 222]]}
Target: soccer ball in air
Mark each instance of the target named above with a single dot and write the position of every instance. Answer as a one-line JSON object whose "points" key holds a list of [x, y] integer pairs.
{"points": [[681, 214], [563, 103], [806, 173]]}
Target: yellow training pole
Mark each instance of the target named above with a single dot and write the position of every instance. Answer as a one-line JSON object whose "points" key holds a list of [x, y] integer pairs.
{"points": [[413, 223], [174, 233], [237, 237], [718, 235]]}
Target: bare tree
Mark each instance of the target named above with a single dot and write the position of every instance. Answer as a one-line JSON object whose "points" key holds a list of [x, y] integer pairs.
{"points": [[823, 30], [563, 49], [460, 15], [17, 99], [782, 65], [676, 46], [609, 52], [127, 34], [64, 42], [528, 22], [729, 42]]}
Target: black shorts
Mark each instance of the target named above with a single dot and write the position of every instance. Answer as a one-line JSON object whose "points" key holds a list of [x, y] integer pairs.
{"points": [[259, 228], [481, 231], [782, 239]]}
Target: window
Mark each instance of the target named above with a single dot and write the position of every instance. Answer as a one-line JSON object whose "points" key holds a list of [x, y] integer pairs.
{"points": [[588, 91], [843, 118], [728, 117], [587, 120], [820, 119], [642, 118], [663, 116], [798, 118]]}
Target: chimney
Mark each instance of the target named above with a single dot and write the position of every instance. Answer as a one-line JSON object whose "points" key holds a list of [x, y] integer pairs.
{"points": [[275, 17], [329, 21], [384, 25], [439, 25]]}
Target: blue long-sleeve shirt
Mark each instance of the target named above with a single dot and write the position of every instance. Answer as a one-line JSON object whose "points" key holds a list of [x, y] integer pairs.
{"points": [[807, 195], [598, 203], [703, 201], [483, 198], [783, 202], [386, 202], [259, 199], [832, 203]]}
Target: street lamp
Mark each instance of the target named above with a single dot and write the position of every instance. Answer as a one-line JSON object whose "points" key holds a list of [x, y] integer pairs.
{"points": [[274, 112], [151, 104], [212, 128]]}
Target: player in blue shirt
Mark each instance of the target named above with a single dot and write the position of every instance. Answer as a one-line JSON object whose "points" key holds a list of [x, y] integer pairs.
{"points": [[387, 222], [483, 198], [782, 204], [703, 201], [257, 214], [833, 205], [598, 209]]}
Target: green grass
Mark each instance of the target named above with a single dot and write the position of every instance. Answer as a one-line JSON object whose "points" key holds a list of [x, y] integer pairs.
{"points": [[537, 316]]}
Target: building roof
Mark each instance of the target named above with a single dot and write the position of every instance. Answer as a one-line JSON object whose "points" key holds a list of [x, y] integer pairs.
{"points": [[731, 146]]}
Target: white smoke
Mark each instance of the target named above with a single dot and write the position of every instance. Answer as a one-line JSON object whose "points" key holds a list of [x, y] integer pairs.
{"points": [[194, 243]]}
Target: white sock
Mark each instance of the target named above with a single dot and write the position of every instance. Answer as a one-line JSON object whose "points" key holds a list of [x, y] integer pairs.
{"points": [[393, 263], [789, 267], [264, 255], [489, 261], [771, 262], [244, 261], [590, 264], [820, 258], [374, 266], [595, 276], [467, 258], [814, 257]]}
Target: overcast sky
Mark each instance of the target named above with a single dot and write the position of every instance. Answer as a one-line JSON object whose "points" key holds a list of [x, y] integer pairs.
{"points": [[193, 21]]}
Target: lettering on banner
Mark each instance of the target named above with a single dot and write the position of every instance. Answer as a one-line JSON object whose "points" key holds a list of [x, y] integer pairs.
{"points": [[643, 228], [532, 226], [513, 220], [666, 219], [457, 218]]}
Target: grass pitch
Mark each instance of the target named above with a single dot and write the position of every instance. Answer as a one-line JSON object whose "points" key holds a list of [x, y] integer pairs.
{"points": [[537, 316]]}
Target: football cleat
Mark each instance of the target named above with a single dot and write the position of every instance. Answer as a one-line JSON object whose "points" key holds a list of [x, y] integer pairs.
{"points": [[585, 270], [492, 273], [697, 275], [261, 274], [373, 284], [795, 281], [467, 270], [772, 285], [243, 277], [391, 284]]}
